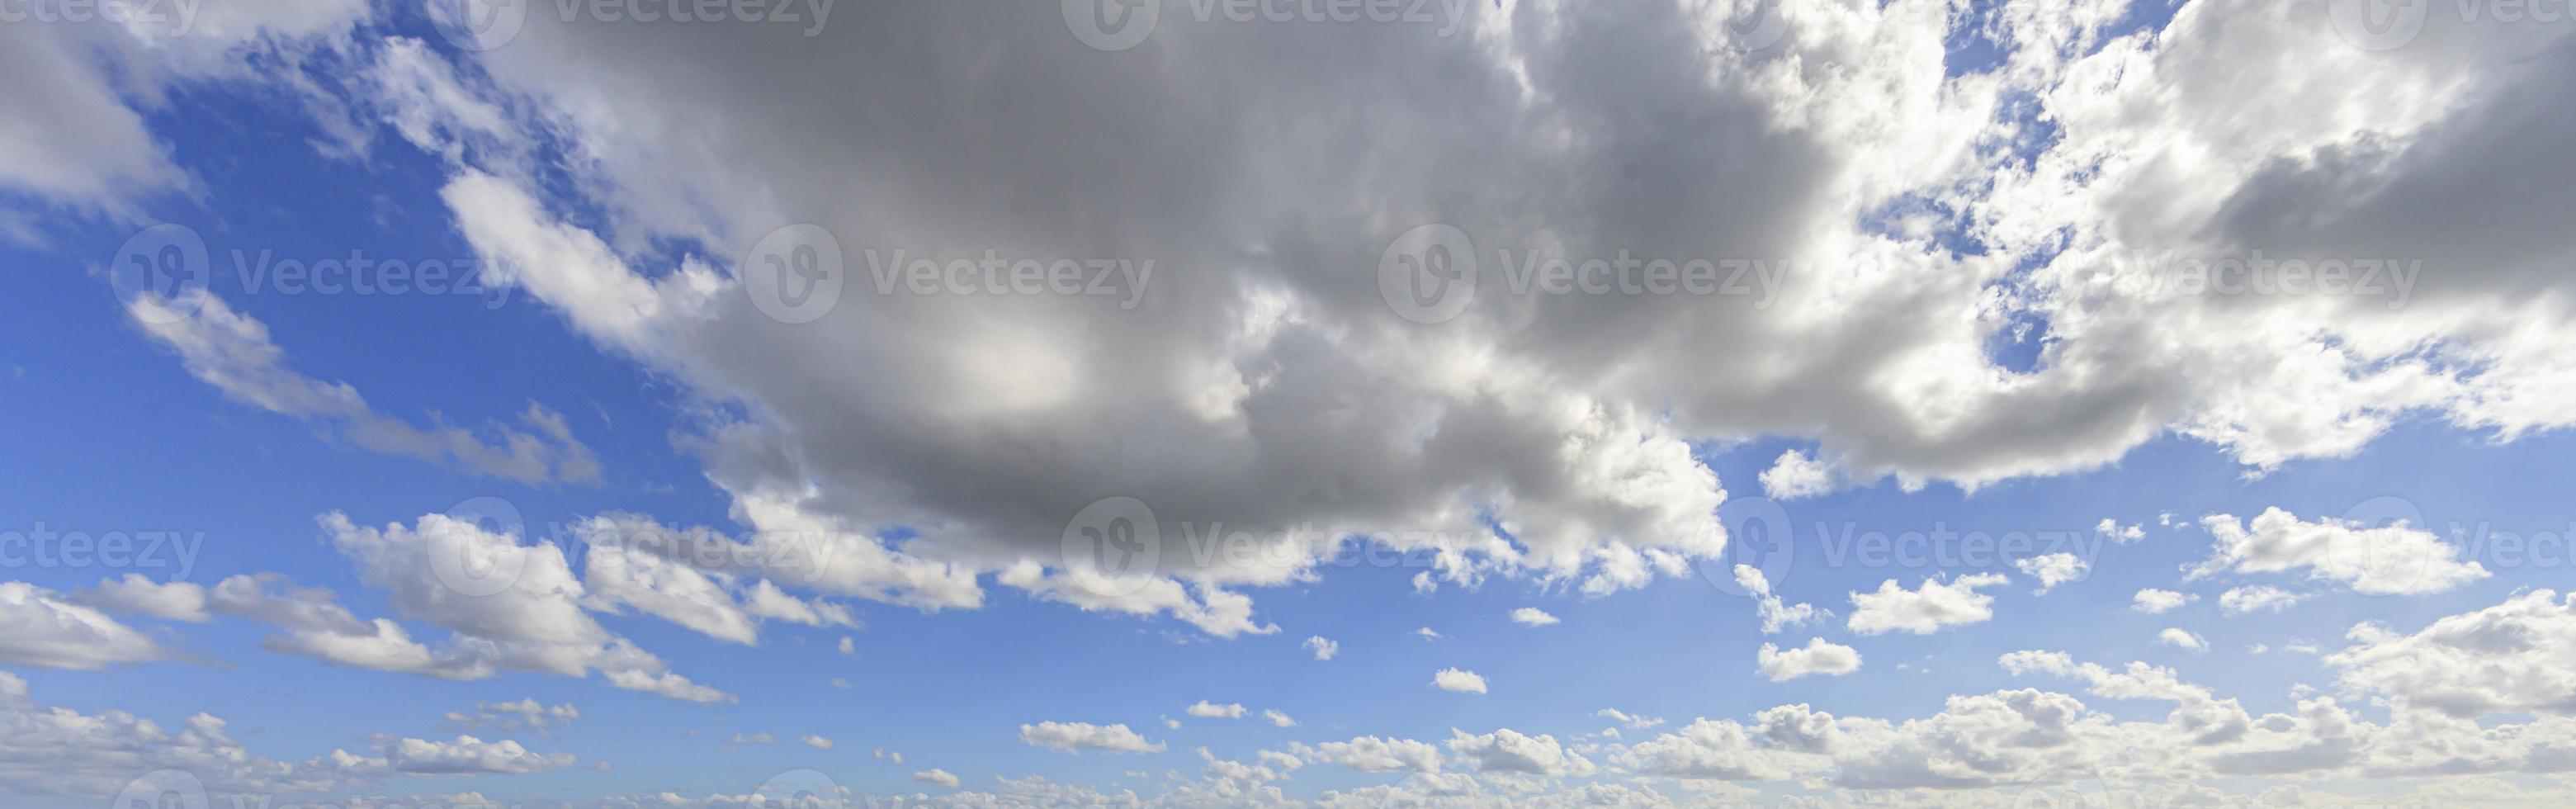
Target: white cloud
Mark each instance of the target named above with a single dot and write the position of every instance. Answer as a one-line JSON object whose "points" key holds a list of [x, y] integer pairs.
{"points": [[1925, 609], [138, 595], [2391, 560], [1323, 649], [816, 742], [2254, 598], [1532, 616], [847, 646], [1795, 475], [1072, 737], [1775, 613], [1278, 719], [1374, 754], [466, 755], [1426, 633], [233, 352], [2518, 656], [2182, 639], [1631, 721], [44, 629], [1507, 750], [2054, 569], [1207, 710], [1455, 680], [936, 777], [2153, 601], [1817, 657], [2122, 534]]}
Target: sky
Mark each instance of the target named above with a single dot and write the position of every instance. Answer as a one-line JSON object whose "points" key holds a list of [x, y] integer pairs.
{"points": [[1201, 403]]}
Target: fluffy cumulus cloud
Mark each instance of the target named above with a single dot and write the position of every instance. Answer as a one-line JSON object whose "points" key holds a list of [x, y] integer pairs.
{"points": [[2054, 569], [1457, 680], [1899, 218], [2518, 656], [2257, 598], [1817, 657], [2393, 559], [1532, 616], [2153, 601], [1775, 612], [1926, 608], [2183, 639], [1322, 648], [1073, 737]]}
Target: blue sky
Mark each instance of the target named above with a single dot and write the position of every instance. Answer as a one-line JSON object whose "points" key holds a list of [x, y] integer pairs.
{"points": [[608, 186]]}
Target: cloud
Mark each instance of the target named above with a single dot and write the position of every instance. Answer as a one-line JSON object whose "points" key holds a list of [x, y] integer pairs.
{"points": [[233, 352], [466, 755], [2053, 569], [2178, 638], [1322, 648], [1925, 609], [2518, 656], [1508, 750], [936, 777], [1374, 754], [46, 630], [1072, 737], [1794, 476], [1455, 680], [2255, 598], [1817, 657], [1532, 616], [816, 742], [1278, 719], [2153, 601], [1207, 710], [2118, 533], [2392, 560], [1775, 613], [1630, 721]]}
